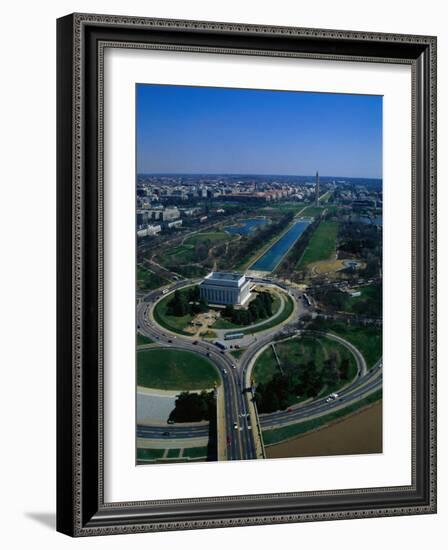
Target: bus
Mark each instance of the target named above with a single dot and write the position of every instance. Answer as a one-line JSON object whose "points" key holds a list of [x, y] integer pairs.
{"points": [[220, 345], [233, 336]]}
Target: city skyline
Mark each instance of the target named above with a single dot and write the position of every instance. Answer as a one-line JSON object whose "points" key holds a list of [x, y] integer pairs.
{"points": [[194, 130]]}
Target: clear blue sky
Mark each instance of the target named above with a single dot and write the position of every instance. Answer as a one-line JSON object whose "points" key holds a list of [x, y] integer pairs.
{"points": [[184, 129]]}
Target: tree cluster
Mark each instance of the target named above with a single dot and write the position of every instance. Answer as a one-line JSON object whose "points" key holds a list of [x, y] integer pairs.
{"points": [[371, 307], [186, 302], [334, 300], [194, 407], [259, 308], [304, 381], [331, 299], [360, 239]]}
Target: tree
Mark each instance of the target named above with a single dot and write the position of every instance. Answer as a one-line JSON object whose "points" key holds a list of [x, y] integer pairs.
{"points": [[229, 311], [193, 407], [194, 293], [344, 368], [311, 380], [331, 375]]}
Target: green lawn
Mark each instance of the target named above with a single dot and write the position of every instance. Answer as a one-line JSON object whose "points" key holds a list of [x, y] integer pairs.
{"points": [[372, 294], [325, 197], [265, 367], [237, 352], [277, 435], [185, 253], [332, 208], [149, 454], [312, 211], [322, 244], [195, 452], [213, 237], [173, 453], [223, 323], [369, 340], [171, 322], [142, 340], [285, 207], [296, 352], [182, 253], [171, 369]]}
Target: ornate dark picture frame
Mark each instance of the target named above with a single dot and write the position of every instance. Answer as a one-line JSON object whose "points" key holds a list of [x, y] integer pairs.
{"points": [[81, 509]]}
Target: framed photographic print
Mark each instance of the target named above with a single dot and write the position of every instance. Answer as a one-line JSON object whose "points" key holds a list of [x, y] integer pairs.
{"points": [[246, 274]]}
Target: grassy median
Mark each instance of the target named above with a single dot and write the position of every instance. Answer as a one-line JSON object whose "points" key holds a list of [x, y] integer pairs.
{"points": [[171, 322], [172, 369], [322, 244]]}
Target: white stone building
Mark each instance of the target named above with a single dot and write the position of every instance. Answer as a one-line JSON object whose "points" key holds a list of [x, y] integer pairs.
{"points": [[225, 288]]}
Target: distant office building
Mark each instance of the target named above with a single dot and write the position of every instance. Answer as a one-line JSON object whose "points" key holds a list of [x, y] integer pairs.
{"points": [[171, 213], [175, 224], [149, 230], [155, 213], [225, 288], [142, 217]]}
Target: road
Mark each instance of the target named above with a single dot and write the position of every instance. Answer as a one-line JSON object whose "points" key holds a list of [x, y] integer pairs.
{"points": [[241, 432]]}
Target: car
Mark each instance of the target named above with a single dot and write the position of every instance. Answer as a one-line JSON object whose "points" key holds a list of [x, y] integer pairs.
{"points": [[235, 425], [224, 371], [289, 410], [195, 343], [170, 341], [166, 433], [331, 397]]}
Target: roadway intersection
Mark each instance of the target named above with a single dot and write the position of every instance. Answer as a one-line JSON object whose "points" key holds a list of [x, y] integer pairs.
{"points": [[242, 423]]}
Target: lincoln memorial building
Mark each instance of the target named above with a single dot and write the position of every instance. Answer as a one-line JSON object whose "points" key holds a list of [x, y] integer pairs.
{"points": [[225, 288]]}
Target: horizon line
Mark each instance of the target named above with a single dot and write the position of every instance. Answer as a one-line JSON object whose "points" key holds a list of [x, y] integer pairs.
{"points": [[253, 174]]}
